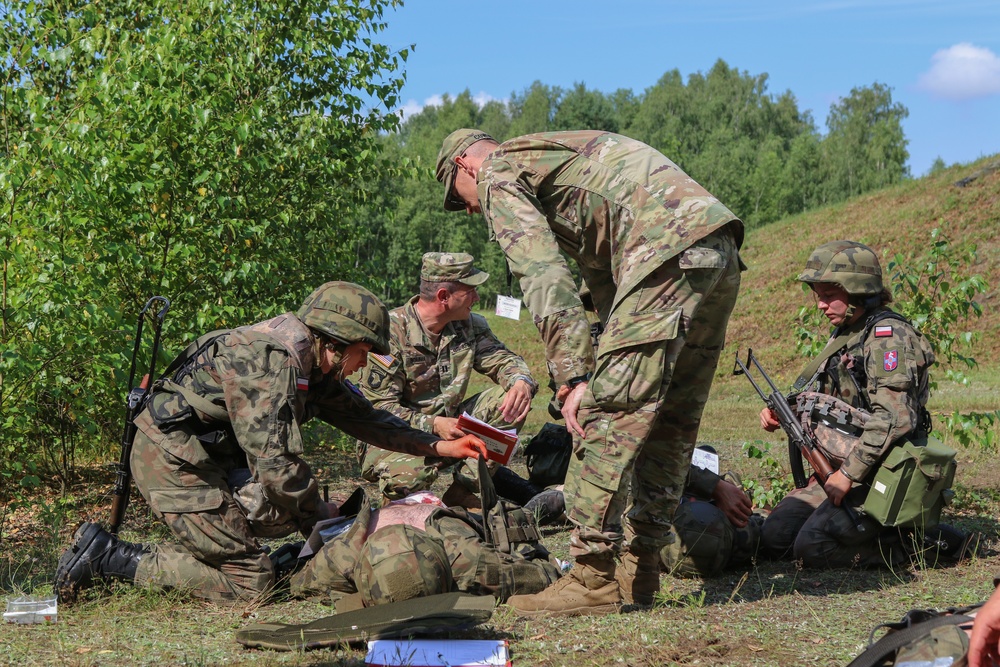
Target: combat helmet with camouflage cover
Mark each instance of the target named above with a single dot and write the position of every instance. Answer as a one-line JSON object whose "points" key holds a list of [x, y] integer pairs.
{"points": [[400, 562], [347, 313], [853, 266]]}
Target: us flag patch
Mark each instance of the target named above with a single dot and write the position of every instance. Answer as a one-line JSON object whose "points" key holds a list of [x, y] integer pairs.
{"points": [[883, 332], [383, 360], [302, 384], [890, 360]]}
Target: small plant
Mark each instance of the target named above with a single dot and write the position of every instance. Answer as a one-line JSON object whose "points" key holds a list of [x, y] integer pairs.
{"points": [[775, 483], [809, 323]]}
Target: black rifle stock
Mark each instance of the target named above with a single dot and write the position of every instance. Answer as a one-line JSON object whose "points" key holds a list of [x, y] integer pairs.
{"points": [[800, 444], [134, 403]]}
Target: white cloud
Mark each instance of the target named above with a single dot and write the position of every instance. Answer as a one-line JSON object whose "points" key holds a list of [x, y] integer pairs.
{"points": [[413, 107], [962, 72]]}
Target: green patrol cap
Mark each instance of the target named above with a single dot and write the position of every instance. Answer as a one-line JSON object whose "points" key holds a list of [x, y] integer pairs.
{"points": [[453, 146], [442, 267]]}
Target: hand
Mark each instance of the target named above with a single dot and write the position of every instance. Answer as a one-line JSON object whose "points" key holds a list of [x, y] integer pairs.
{"points": [[466, 447], [561, 393], [837, 486], [571, 405], [733, 502], [447, 428], [769, 420], [984, 644], [516, 402]]}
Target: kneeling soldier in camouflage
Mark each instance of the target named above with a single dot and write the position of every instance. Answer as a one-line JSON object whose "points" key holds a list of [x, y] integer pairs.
{"points": [[235, 400], [436, 345]]}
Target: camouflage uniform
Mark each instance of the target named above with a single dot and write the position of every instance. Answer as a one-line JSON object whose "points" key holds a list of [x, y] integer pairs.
{"points": [[877, 365], [660, 256], [239, 403], [423, 379], [374, 561]]}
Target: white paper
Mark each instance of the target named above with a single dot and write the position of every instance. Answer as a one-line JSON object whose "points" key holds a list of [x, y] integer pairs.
{"points": [[509, 307], [705, 460], [438, 652]]}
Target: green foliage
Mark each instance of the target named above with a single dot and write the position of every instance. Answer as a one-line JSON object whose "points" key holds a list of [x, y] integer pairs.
{"points": [[773, 483], [211, 152], [935, 293], [810, 321]]}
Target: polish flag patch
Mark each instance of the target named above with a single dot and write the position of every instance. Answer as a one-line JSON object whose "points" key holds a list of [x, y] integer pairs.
{"points": [[890, 360], [302, 384], [883, 332]]}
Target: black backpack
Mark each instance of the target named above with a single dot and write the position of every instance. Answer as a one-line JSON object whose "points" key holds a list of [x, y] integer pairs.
{"points": [[547, 455]]}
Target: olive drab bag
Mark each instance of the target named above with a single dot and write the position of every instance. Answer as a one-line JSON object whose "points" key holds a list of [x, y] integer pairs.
{"points": [[923, 637], [547, 455], [912, 484]]}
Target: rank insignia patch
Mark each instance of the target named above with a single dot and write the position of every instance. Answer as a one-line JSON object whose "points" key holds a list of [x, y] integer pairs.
{"points": [[890, 360]]}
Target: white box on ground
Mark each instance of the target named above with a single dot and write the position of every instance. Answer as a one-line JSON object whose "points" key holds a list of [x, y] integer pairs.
{"points": [[31, 610], [438, 653], [705, 460]]}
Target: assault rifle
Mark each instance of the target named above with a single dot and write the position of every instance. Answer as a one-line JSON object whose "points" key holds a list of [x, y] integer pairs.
{"points": [[800, 444], [134, 403]]}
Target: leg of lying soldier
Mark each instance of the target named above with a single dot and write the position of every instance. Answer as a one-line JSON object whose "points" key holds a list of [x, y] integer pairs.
{"points": [[787, 518], [398, 475], [829, 538], [217, 558], [480, 568]]}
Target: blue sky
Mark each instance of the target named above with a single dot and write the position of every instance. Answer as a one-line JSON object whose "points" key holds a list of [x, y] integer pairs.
{"points": [[941, 58]]}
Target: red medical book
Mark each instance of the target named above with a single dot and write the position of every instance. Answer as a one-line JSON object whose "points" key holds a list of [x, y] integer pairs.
{"points": [[499, 444]]}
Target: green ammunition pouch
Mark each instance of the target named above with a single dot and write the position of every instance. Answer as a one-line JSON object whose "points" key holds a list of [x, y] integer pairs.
{"points": [[912, 484]]}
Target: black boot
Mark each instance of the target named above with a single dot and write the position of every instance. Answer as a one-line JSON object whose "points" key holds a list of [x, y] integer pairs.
{"points": [[95, 555], [548, 507], [948, 544], [513, 487]]}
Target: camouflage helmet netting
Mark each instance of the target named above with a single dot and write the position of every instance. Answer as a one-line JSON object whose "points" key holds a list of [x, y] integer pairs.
{"points": [[400, 562], [348, 313], [853, 266]]}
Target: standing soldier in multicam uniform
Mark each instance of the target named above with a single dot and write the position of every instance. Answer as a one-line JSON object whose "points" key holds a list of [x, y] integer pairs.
{"points": [[234, 400], [436, 344], [877, 362], [660, 256]]}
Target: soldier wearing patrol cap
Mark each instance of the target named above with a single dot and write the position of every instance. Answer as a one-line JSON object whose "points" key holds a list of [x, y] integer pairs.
{"points": [[660, 256], [436, 344], [875, 361], [236, 399]]}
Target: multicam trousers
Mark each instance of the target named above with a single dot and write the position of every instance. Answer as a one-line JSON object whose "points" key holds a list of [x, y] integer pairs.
{"points": [[643, 408]]}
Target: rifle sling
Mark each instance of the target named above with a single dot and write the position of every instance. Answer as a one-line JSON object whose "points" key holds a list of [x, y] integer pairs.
{"points": [[199, 403]]}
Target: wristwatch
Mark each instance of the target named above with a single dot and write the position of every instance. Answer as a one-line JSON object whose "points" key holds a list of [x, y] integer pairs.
{"points": [[579, 379], [531, 383]]}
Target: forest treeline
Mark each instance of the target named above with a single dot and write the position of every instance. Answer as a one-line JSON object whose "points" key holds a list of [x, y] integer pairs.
{"points": [[758, 152]]}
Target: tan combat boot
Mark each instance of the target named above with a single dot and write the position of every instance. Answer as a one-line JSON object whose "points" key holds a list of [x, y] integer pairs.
{"points": [[589, 588], [638, 577]]}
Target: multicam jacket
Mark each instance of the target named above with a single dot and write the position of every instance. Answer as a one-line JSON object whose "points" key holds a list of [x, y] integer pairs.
{"points": [[245, 395], [615, 205], [885, 373], [423, 380]]}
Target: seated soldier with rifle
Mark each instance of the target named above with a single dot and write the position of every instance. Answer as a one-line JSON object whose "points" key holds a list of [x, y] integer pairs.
{"points": [[874, 370], [235, 400], [436, 344]]}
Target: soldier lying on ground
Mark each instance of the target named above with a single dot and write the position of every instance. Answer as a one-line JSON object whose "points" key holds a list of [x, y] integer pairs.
{"points": [[416, 547], [237, 400], [875, 361], [436, 344]]}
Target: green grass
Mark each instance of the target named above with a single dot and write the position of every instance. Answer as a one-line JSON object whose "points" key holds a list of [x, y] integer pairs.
{"points": [[772, 613]]}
